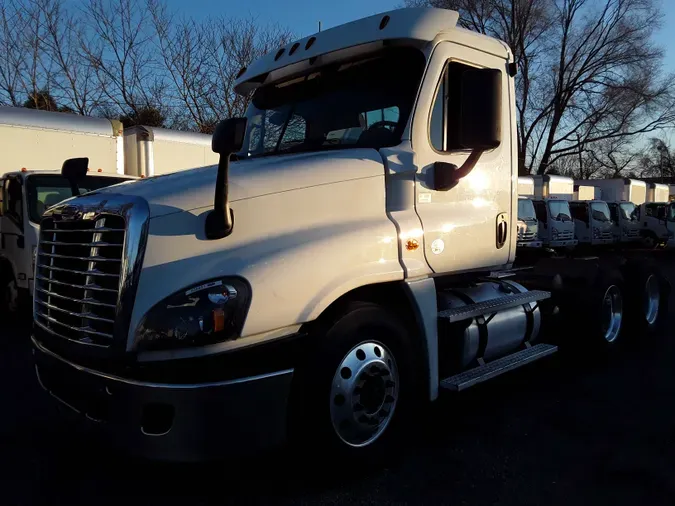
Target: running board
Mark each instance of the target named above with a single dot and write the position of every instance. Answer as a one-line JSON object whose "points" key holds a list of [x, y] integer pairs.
{"points": [[490, 370], [492, 306]]}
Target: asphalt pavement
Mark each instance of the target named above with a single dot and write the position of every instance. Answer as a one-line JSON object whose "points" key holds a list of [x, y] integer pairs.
{"points": [[566, 430]]}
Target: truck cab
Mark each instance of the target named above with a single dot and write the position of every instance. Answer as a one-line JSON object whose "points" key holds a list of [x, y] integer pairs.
{"points": [[658, 224], [626, 221], [24, 197], [528, 224], [592, 222], [556, 228]]}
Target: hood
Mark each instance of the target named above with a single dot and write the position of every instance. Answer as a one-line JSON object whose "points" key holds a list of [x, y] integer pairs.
{"points": [[194, 188]]}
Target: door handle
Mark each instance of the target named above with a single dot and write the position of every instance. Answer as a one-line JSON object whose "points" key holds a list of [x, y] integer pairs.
{"points": [[502, 230]]}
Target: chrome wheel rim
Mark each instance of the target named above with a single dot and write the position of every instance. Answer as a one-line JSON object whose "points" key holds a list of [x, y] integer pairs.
{"points": [[652, 299], [612, 313], [364, 393]]}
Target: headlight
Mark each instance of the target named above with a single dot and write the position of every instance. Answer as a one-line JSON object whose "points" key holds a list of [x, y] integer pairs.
{"points": [[554, 233], [207, 313], [596, 232]]}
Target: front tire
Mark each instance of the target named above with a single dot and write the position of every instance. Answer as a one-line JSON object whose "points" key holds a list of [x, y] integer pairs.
{"points": [[352, 391]]}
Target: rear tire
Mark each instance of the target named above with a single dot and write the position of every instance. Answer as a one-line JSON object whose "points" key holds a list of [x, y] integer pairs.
{"points": [[351, 395], [646, 298], [602, 309]]}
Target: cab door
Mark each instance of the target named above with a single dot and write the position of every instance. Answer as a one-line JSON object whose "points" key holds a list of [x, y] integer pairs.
{"points": [[472, 224], [12, 240]]}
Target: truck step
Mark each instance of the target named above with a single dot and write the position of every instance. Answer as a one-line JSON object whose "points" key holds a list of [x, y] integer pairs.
{"points": [[482, 373], [492, 306]]}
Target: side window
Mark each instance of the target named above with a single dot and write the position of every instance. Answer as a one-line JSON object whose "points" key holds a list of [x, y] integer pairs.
{"points": [[437, 123], [614, 212], [295, 133], [444, 120], [649, 211], [14, 201], [540, 210], [579, 212]]}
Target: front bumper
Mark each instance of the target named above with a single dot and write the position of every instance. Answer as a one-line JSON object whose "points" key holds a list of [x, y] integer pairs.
{"points": [[166, 421], [529, 244], [562, 244]]}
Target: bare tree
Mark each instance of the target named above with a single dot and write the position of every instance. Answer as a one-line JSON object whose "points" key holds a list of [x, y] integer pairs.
{"points": [[588, 71], [658, 159], [118, 44], [24, 70], [524, 26], [232, 46], [74, 79]]}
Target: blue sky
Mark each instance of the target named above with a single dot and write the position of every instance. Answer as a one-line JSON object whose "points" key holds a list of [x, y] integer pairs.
{"points": [[302, 17]]}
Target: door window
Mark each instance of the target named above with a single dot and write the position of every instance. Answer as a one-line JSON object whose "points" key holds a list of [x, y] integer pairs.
{"points": [[579, 212], [540, 209], [13, 202], [443, 125]]}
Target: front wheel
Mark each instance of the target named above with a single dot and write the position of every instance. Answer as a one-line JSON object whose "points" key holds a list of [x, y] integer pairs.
{"points": [[352, 391]]}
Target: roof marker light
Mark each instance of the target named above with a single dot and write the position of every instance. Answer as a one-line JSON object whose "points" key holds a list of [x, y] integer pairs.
{"points": [[384, 22], [310, 42]]}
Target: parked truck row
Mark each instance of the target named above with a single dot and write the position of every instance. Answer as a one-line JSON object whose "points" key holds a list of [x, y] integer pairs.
{"points": [[591, 213], [35, 143], [350, 257]]}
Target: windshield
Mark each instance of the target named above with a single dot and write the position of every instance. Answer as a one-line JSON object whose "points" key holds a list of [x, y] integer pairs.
{"points": [[359, 104], [560, 210], [628, 211], [526, 210], [45, 191], [600, 211]]}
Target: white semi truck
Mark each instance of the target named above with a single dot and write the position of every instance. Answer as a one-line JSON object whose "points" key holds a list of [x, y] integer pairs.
{"points": [[354, 260]]}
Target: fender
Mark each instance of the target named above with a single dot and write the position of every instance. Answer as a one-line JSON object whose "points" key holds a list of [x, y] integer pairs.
{"points": [[297, 261]]}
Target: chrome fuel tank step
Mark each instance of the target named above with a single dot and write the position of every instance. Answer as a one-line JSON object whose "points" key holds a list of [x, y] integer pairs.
{"points": [[490, 370]]}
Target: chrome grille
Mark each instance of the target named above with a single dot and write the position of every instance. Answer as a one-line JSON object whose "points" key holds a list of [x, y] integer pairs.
{"points": [[566, 235], [77, 279]]}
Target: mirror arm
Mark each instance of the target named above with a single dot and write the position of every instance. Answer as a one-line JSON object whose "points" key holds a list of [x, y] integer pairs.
{"points": [[469, 164], [220, 220]]}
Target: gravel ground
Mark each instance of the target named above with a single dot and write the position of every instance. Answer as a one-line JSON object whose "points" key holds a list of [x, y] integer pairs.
{"points": [[561, 431]]}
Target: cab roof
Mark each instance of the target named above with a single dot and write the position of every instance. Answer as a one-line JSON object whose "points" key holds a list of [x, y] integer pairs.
{"points": [[29, 172], [418, 26]]}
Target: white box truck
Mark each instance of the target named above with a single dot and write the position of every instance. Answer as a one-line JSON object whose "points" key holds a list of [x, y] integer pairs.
{"points": [[584, 192], [551, 204], [624, 197], [152, 151], [354, 261], [528, 224], [34, 142], [657, 192]]}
